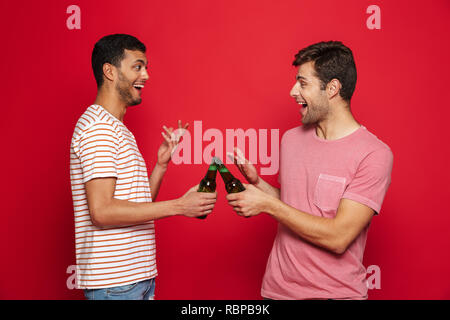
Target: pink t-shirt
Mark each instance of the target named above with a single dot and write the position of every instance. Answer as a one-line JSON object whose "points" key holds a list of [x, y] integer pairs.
{"points": [[315, 174]]}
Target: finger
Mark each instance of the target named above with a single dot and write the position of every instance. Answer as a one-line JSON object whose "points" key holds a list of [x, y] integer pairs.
{"points": [[169, 130], [232, 196], [209, 195], [194, 188], [234, 157], [231, 157], [233, 203], [174, 148], [208, 208], [167, 138], [238, 163], [209, 202], [178, 133], [180, 125], [240, 156]]}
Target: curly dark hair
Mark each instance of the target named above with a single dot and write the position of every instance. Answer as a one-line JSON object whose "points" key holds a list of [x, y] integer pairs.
{"points": [[111, 49], [332, 60]]}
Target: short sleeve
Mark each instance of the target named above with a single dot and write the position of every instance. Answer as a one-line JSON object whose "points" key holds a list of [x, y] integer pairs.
{"points": [[97, 150], [372, 180]]}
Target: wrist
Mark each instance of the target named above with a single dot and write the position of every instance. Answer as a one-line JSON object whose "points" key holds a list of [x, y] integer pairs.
{"points": [[178, 207], [161, 167], [271, 205], [258, 182]]}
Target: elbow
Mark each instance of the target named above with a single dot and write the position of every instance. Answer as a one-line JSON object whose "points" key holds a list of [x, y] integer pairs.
{"points": [[339, 250], [98, 218], [339, 247]]}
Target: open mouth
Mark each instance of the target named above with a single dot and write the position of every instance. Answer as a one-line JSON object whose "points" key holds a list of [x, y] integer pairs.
{"points": [[304, 108], [138, 87]]}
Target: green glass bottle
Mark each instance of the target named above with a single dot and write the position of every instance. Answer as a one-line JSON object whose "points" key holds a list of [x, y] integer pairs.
{"points": [[208, 183], [232, 185]]}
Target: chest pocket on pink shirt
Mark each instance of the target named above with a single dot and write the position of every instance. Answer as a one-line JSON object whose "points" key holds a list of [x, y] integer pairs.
{"points": [[328, 192]]}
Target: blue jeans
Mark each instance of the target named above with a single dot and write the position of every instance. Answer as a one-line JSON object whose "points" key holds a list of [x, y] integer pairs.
{"points": [[143, 290]]}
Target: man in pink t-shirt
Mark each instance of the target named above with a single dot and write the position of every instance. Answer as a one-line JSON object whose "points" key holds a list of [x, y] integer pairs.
{"points": [[334, 175]]}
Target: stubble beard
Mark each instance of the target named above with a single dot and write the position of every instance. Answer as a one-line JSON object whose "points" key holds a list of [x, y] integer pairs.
{"points": [[124, 88], [317, 112]]}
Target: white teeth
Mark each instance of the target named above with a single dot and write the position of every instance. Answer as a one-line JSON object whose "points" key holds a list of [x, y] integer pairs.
{"points": [[139, 86]]}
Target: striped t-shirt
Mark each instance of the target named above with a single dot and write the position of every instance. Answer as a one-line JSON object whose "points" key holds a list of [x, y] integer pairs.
{"points": [[102, 146]]}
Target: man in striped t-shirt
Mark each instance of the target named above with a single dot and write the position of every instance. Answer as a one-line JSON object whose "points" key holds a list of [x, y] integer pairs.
{"points": [[112, 194]]}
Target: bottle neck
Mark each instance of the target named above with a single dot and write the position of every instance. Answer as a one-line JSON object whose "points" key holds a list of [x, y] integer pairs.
{"points": [[226, 175], [211, 174]]}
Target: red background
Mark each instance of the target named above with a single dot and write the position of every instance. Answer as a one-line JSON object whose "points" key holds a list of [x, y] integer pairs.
{"points": [[227, 63]]}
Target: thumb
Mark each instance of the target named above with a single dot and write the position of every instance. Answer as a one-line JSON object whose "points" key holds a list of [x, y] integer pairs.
{"points": [[239, 156], [193, 189]]}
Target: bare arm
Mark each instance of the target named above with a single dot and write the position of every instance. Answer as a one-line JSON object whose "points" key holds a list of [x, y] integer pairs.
{"points": [[267, 188], [334, 234], [156, 178], [106, 211]]}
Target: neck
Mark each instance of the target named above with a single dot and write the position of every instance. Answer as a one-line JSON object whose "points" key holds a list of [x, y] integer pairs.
{"points": [[338, 124], [109, 100]]}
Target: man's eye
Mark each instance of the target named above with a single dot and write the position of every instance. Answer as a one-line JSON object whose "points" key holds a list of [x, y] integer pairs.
{"points": [[138, 68]]}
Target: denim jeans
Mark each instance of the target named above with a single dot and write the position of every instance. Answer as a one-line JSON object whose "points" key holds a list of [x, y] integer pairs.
{"points": [[143, 290]]}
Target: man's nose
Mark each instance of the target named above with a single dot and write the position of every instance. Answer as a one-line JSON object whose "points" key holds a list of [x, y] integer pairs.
{"points": [[145, 75], [294, 91]]}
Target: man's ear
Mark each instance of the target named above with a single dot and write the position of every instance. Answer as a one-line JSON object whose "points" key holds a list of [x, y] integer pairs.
{"points": [[333, 88], [109, 71]]}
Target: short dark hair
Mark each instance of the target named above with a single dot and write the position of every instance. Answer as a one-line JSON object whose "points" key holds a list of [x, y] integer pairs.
{"points": [[332, 60], [111, 49]]}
